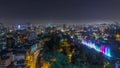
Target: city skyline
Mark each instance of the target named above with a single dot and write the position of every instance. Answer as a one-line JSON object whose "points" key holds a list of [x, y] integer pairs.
{"points": [[59, 34]]}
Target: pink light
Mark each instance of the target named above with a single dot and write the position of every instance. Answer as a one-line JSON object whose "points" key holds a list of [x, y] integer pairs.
{"points": [[103, 49], [82, 41]]}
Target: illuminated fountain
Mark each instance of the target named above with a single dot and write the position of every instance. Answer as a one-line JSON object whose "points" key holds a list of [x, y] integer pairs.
{"points": [[102, 48]]}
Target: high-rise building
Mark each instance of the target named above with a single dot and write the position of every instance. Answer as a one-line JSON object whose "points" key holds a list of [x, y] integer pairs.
{"points": [[11, 42]]}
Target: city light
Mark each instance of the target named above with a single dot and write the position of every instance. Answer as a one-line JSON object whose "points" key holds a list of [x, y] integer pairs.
{"points": [[102, 48], [62, 30], [19, 26]]}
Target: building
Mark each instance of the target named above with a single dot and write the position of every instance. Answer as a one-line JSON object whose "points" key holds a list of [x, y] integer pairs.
{"points": [[5, 59]]}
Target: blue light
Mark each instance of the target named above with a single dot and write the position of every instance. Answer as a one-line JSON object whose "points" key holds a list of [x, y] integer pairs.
{"points": [[116, 66], [93, 45], [97, 48], [19, 26], [90, 45], [105, 50], [72, 36], [108, 52]]}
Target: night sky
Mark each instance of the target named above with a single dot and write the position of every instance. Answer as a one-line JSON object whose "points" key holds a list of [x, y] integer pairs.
{"points": [[37, 11]]}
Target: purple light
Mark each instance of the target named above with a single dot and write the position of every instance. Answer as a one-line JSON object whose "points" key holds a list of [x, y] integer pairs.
{"points": [[103, 49], [106, 49]]}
